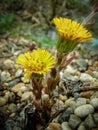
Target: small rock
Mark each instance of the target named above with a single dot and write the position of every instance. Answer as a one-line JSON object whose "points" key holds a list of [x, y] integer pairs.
{"points": [[84, 110], [95, 74], [70, 103], [94, 102], [82, 65], [18, 73], [62, 98], [57, 106], [89, 122], [81, 127], [17, 87], [9, 64], [66, 114], [26, 96], [19, 94], [95, 116], [94, 83], [80, 101], [87, 94], [86, 77], [74, 121], [3, 101], [54, 126], [95, 95], [65, 126], [5, 76], [45, 98], [14, 82], [69, 71], [12, 115], [23, 89], [11, 97], [12, 108]]}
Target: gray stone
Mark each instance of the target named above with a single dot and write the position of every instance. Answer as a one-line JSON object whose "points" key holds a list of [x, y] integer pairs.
{"points": [[26, 96], [95, 74], [82, 65], [94, 102], [18, 73], [95, 116], [86, 77], [17, 87], [66, 114], [84, 110], [80, 101], [74, 121], [3, 101], [89, 122], [9, 64], [94, 83], [5, 76], [69, 71], [70, 102], [95, 95], [24, 89], [65, 126], [81, 127], [12, 107], [13, 82], [11, 97]]}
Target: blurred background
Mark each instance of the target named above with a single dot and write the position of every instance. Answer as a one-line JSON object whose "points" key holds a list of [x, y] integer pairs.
{"points": [[32, 19]]}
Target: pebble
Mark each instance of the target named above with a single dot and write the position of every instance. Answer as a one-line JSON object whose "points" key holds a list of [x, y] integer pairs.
{"points": [[12, 107], [18, 73], [95, 95], [86, 77], [17, 87], [84, 110], [95, 74], [26, 96], [11, 97], [81, 127], [3, 101], [62, 98], [19, 94], [65, 126], [80, 101], [24, 89], [89, 122], [82, 65], [66, 115], [68, 72], [95, 116], [74, 121], [9, 64], [94, 102], [5, 76], [87, 94], [70, 102], [94, 83], [54, 126], [13, 82]]}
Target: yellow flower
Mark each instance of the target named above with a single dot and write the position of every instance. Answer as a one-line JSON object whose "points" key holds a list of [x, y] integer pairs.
{"points": [[71, 33], [37, 62]]}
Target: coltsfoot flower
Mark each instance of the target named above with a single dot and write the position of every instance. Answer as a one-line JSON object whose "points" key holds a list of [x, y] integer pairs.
{"points": [[38, 62], [71, 33]]}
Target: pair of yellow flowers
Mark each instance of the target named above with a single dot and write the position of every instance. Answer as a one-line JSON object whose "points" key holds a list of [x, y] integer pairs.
{"points": [[41, 61]]}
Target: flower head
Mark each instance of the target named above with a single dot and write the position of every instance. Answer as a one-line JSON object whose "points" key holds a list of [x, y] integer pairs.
{"points": [[37, 62], [71, 33]]}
